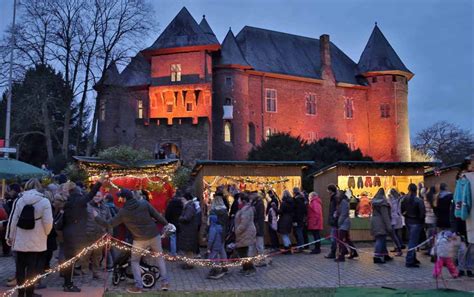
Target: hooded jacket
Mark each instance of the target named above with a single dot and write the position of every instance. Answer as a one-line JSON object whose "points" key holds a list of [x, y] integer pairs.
{"points": [[34, 240], [93, 230], [396, 215], [245, 231], [215, 238], [189, 228], [380, 222], [342, 214], [286, 212], [259, 215], [139, 217], [315, 214]]}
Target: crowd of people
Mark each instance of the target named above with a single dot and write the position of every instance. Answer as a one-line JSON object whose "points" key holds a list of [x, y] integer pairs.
{"points": [[40, 219]]}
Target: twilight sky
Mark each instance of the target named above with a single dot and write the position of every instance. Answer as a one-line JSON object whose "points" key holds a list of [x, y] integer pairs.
{"points": [[434, 38]]}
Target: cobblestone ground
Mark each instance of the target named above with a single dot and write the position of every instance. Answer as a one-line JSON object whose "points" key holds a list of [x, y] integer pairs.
{"points": [[286, 271]]}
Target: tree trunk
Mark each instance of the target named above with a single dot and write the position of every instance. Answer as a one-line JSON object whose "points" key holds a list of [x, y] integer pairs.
{"points": [[47, 132]]}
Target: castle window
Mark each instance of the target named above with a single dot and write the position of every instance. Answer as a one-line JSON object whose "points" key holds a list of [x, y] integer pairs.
{"points": [[374, 79], [269, 132], [385, 111], [169, 108], [227, 132], [251, 133], [189, 106], [228, 82], [394, 78], [140, 109], [102, 109], [228, 101], [351, 141], [310, 104], [349, 108], [175, 72], [271, 100]]}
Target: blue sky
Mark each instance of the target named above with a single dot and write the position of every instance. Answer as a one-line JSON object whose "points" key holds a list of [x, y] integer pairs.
{"points": [[433, 38]]}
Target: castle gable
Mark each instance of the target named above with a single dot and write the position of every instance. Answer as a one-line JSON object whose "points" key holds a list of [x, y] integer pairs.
{"points": [[137, 72]]}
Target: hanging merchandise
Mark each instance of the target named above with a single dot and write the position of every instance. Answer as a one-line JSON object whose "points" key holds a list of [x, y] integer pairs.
{"points": [[462, 198], [394, 181], [377, 182], [360, 182], [368, 181], [351, 182]]}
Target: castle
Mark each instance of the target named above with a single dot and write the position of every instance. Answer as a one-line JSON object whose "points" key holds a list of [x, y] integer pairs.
{"points": [[197, 98]]}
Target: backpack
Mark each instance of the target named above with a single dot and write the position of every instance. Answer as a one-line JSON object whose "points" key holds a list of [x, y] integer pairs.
{"points": [[27, 217]]}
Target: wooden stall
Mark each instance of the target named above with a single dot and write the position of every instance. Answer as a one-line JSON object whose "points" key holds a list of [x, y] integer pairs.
{"points": [[446, 174], [361, 180]]}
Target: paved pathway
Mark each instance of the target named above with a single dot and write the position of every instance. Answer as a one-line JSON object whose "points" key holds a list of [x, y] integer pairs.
{"points": [[286, 271]]}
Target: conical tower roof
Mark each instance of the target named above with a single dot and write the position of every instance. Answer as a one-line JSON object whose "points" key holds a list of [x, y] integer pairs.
{"points": [[183, 31], [111, 76], [379, 55], [231, 53], [207, 29]]}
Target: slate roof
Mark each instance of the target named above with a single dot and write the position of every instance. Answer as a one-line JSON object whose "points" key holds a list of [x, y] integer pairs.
{"points": [[111, 76], [230, 52], [379, 55], [283, 53], [137, 72], [207, 29], [183, 31]]}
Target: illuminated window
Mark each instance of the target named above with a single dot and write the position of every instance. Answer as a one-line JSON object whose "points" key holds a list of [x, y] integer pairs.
{"points": [[251, 133], [140, 109], [227, 132], [103, 102], [385, 110], [271, 100], [175, 72], [349, 108], [189, 106], [228, 82], [310, 104], [169, 108], [351, 141]]}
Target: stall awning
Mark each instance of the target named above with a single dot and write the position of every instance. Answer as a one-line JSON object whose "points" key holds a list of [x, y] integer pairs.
{"points": [[139, 164], [371, 164], [201, 163], [14, 169]]}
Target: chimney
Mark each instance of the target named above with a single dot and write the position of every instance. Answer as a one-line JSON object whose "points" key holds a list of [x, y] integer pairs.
{"points": [[324, 49]]}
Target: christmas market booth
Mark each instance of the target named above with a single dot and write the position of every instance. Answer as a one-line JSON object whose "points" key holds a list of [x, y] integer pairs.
{"points": [[445, 174], [152, 176], [361, 180]]}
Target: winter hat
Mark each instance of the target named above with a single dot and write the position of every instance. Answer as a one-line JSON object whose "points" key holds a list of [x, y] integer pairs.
{"points": [[61, 178], [213, 219], [15, 187], [125, 193]]}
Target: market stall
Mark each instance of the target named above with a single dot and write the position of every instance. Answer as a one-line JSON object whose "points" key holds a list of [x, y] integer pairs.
{"points": [[153, 176], [361, 181]]}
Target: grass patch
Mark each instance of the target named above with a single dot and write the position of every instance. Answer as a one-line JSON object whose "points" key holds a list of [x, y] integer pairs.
{"points": [[305, 292]]}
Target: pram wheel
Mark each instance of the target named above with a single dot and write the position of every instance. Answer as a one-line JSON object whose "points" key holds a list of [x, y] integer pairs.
{"points": [[116, 278], [148, 280]]}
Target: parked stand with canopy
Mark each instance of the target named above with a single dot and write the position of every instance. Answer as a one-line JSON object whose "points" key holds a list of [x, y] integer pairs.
{"points": [[11, 169]]}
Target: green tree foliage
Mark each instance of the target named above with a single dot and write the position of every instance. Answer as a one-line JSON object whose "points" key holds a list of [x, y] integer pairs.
{"points": [[325, 151], [125, 155], [75, 173], [181, 178]]}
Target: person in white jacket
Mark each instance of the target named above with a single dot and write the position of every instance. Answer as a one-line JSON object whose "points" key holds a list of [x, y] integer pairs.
{"points": [[29, 243]]}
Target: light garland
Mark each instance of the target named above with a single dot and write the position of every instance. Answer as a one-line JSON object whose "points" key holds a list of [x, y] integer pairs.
{"points": [[256, 181]]}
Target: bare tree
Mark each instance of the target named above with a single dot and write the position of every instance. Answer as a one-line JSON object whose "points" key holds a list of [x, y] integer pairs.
{"points": [[445, 141]]}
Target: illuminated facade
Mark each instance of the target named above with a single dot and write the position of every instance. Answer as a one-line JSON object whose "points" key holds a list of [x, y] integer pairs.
{"points": [[201, 99]]}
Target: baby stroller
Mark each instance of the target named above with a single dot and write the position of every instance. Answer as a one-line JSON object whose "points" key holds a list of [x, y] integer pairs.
{"points": [[123, 270]]}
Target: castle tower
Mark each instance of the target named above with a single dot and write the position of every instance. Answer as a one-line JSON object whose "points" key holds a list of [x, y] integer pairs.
{"points": [[389, 134]]}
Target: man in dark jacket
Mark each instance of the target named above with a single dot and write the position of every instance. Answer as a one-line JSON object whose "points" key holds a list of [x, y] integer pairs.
{"points": [[413, 209], [299, 219], [332, 190], [174, 209], [140, 218], [442, 209], [74, 222], [188, 236]]}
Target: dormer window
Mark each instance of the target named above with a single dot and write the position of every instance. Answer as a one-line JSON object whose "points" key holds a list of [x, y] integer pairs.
{"points": [[175, 72], [140, 109]]}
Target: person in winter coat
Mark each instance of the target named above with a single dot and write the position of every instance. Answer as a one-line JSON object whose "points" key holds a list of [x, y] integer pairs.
{"points": [[285, 221], [315, 220], [174, 209], [429, 201], [395, 200], [413, 209], [344, 226], [245, 232], [332, 222], [74, 221], [29, 242], [259, 247], [381, 226], [140, 218], [188, 229], [219, 209], [215, 244], [446, 246], [364, 210], [299, 217], [442, 207], [93, 233], [272, 216]]}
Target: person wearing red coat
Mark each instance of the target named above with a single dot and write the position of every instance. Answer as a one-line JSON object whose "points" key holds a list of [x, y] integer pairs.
{"points": [[315, 219]]}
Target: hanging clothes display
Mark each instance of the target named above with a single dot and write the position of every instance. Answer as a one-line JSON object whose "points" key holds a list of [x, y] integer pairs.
{"points": [[360, 182], [462, 198], [377, 182], [351, 182], [368, 181]]}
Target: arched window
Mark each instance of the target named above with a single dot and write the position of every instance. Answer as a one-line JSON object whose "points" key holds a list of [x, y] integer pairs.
{"points": [[251, 133], [227, 132]]}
